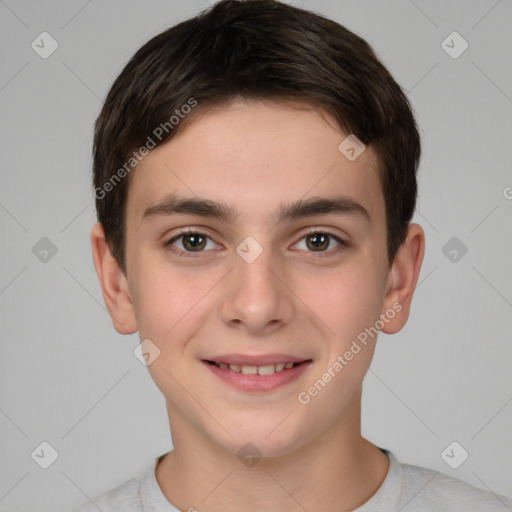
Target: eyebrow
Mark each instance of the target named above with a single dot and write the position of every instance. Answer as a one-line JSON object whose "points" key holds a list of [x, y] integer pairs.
{"points": [[174, 204]]}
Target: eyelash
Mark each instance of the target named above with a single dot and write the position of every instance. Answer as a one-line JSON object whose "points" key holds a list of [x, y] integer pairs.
{"points": [[314, 254]]}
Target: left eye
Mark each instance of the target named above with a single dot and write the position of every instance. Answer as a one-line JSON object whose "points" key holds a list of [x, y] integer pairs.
{"points": [[318, 242], [192, 242]]}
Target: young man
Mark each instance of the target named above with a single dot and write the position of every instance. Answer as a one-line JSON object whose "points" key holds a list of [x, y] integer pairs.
{"points": [[255, 179]]}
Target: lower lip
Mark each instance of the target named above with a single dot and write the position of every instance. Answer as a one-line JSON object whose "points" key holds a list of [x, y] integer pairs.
{"points": [[255, 382]]}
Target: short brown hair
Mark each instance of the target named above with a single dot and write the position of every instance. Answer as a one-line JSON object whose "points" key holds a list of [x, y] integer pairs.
{"points": [[255, 49]]}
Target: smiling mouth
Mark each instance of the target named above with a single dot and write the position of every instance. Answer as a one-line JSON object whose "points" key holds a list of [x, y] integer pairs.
{"points": [[267, 369]]}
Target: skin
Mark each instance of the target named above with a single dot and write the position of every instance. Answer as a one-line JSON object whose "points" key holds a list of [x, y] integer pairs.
{"points": [[254, 156]]}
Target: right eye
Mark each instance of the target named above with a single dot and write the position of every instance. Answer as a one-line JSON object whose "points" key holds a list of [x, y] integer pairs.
{"points": [[190, 241]]}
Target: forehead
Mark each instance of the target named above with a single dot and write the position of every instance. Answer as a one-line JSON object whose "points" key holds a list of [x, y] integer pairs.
{"points": [[254, 156]]}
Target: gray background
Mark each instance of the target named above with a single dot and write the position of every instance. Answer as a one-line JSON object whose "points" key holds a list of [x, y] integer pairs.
{"points": [[69, 379]]}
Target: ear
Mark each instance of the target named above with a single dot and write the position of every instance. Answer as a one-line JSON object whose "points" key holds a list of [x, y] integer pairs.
{"points": [[402, 279], [114, 284]]}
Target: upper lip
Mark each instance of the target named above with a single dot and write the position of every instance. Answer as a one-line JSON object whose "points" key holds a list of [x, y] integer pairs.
{"points": [[256, 360]]}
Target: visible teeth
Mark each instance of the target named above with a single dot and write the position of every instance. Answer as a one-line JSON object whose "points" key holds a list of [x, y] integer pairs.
{"points": [[249, 369], [266, 370]]}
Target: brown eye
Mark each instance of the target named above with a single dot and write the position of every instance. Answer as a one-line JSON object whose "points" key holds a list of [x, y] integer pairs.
{"points": [[321, 243], [194, 242], [318, 241], [188, 242]]}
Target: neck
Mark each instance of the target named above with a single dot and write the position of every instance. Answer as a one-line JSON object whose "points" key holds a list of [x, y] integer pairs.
{"points": [[339, 470]]}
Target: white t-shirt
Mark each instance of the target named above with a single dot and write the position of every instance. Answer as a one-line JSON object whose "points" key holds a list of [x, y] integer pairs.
{"points": [[406, 488]]}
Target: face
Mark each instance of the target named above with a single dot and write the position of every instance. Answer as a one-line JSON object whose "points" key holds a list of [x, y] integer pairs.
{"points": [[253, 242]]}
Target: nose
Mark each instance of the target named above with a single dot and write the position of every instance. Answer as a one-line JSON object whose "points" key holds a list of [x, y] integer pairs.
{"points": [[259, 297]]}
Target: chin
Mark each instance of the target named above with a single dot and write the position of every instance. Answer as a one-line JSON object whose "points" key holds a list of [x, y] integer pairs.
{"points": [[266, 439]]}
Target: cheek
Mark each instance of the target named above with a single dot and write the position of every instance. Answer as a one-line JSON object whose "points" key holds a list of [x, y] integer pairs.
{"points": [[348, 305], [164, 298], [346, 302]]}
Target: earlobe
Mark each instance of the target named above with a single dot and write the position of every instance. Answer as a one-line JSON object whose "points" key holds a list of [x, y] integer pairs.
{"points": [[402, 279], [114, 285]]}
